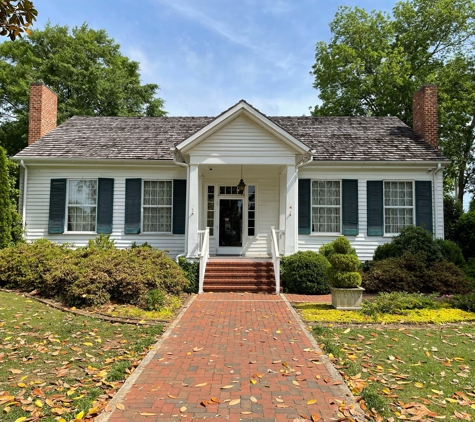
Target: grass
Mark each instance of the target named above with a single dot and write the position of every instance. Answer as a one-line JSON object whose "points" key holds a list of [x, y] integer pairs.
{"points": [[318, 312], [410, 372], [59, 366]]}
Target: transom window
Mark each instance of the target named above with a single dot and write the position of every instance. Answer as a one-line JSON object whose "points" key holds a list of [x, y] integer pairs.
{"points": [[157, 205], [326, 206], [228, 190], [82, 205], [398, 206]]}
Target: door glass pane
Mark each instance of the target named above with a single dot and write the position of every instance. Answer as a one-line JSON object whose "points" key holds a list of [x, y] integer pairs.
{"points": [[230, 222]]}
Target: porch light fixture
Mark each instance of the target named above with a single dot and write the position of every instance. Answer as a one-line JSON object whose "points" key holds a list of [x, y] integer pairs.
{"points": [[241, 186]]}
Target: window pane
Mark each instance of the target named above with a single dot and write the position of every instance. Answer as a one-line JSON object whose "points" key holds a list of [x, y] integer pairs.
{"points": [[157, 192], [82, 200], [157, 219], [82, 192], [81, 219]]}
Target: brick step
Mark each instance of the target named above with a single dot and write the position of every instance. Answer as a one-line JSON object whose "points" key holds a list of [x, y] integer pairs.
{"points": [[238, 283], [235, 288], [239, 268], [257, 274]]}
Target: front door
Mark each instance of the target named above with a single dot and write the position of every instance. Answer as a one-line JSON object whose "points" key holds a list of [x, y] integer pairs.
{"points": [[230, 227]]}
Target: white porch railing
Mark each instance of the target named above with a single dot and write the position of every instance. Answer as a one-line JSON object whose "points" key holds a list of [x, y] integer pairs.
{"points": [[204, 255], [276, 256]]}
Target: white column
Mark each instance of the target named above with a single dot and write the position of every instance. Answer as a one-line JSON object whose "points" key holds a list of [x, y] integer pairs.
{"points": [[291, 210], [193, 214]]}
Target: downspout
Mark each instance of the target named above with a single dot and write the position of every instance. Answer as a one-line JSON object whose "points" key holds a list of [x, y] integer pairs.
{"points": [[439, 168], [183, 164], [25, 186]]}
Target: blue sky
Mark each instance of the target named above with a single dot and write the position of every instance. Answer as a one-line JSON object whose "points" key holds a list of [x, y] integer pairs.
{"points": [[208, 54]]}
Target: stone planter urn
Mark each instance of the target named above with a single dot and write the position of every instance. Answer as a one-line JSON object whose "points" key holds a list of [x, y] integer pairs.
{"points": [[347, 299]]}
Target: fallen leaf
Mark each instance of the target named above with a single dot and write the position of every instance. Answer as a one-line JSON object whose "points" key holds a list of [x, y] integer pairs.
{"points": [[316, 417], [235, 401], [201, 385], [281, 405], [295, 382], [197, 349], [147, 414], [227, 386], [215, 400], [246, 413], [171, 396], [313, 401], [253, 399], [279, 400], [120, 406], [79, 416], [183, 409]]}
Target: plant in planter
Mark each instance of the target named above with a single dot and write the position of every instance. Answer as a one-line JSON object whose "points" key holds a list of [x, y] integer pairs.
{"points": [[343, 276]]}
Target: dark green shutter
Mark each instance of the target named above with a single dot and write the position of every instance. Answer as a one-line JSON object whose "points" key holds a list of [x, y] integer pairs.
{"points": [[374, 190], [424, 204], [179, 206], [57, 206], [105, 204], [133, 195], [304, 206], [350, 207]]}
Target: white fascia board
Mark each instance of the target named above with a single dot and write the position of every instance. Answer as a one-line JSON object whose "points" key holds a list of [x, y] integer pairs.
{"points": [[379, 164], [239, 160], [260, 119], [52, 161]]}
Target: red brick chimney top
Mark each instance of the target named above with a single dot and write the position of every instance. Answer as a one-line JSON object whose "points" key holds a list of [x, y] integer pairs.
{"points": [[424, 109], [42, 113]]}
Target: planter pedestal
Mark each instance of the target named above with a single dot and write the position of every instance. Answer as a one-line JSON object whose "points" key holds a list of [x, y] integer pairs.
{"points": [[347, 299]]}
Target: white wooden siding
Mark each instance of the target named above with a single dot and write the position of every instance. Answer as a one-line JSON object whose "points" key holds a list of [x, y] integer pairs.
{"points": [[365, 245], [37, 208], [242, 137]]}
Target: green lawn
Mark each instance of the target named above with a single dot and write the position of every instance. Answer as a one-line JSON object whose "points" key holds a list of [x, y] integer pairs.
{"points": [[59, 366], [424, 373]]}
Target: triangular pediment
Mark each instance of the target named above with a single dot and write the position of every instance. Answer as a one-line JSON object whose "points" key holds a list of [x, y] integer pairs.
{"points": [[239, 129]]}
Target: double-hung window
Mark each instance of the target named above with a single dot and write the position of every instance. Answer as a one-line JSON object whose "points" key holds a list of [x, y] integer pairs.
{"points": [[398, 205], [82, 205], [326, 206], [157, 206]]}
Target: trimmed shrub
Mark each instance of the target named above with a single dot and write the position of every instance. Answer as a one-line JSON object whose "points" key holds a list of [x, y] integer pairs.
{"points": [[465, 234], [453, 210], [398, 302], [451, 252], [464, 302], [328, 249], [412, 239], [92, 275], [343, 272], [192, 273], [412, 274], [304, 273]]}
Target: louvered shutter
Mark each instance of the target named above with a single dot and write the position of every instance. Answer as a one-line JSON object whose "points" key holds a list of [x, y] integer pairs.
{"points": [[133, 196], [350, 207], [304, 221], [424, 204], [105, 205], [57, 206], [179, 206], [374, 190]]}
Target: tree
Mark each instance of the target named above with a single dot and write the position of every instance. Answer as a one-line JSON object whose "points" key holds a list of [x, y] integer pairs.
{"points": [[5, 204], [15, 17], [84, 67], [376, 61]]}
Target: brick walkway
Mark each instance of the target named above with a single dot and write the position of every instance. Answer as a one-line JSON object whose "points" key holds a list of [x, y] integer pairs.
{"points": [[250, 344]]}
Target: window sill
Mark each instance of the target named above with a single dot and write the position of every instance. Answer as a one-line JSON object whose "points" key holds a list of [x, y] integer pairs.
{"points": [[325, 234], [390, 234], [66, 232], [157, 233]]}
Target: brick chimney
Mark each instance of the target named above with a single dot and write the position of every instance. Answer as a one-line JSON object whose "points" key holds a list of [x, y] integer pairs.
{"points": [[43, 111], [424, 109]]}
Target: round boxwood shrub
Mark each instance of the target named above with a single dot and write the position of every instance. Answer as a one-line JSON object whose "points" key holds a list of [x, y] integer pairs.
{"points": [[451, 252], [465, 234], [411, 239], [343, 272], [305, 272]]}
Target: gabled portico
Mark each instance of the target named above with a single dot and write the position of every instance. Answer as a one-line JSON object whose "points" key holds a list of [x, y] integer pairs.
{"points": [[242, 143]]}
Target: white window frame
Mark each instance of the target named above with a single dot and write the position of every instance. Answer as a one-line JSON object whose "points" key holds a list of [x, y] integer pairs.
{"points": [[155, 206], [248, 210], [413, 207], [66, 220], [325, 206], [206, 210]]}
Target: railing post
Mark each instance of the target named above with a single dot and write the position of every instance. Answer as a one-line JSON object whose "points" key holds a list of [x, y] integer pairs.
{"points": [[204, 255]]}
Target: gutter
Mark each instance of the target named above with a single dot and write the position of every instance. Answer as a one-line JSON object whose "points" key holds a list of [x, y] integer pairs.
{"points": [[25, 186], [183, 164]]}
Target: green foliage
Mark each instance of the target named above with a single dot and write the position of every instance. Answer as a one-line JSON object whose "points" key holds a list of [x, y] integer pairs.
{"points": [[465, 302], [83, 66], [192, 273], [118, 371], [471, 205], [103, 241], [453, 210], [412, 239], [90, 276], [470, 271], [376, 61], [155, 300], [451, 252], [304, 273], [15, 17], [412, 273], [5, 203], [397, 303], [326, 250], [343, 272], [373, 399], [465, 234]]}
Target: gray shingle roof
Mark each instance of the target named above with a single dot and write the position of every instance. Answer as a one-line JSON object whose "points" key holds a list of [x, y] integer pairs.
{"points": [[150, 138]]}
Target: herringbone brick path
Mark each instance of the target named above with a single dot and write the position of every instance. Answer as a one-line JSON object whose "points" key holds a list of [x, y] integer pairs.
{"points": [[230, 347]]}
